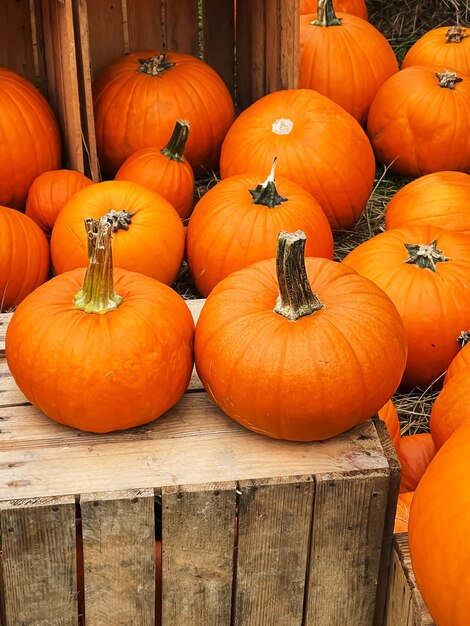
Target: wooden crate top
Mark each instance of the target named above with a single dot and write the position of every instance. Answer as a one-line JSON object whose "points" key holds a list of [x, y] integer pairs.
{"points": [[193, 443]]}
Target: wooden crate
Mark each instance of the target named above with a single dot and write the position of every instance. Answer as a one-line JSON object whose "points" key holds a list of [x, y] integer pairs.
{"points": [[405, 605], [254, 531]]}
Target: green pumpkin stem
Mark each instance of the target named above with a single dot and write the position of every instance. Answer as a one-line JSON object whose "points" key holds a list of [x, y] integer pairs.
{"points": [[425, 257], [174, 149], [455, 34], [155, 66], [326, 15], [266, 193], [463, 338], [296, 298], [448, 79], [97, 294]]}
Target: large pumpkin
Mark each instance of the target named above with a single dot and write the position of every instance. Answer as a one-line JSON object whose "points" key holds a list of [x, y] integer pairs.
{"points": [[462, 359], [98, 359], [24, 257], [448, 46], [301, 352], [418, 121], [354, 7], [415, 454], [148, 233], [236, 223], [439, 531], [440, 198], [30, 138], [345, 58], [138, 98], [451, 408], [389, 415], [425, 270], [318, 145]]}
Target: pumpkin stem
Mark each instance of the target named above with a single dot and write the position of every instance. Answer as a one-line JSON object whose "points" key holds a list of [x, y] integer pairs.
{"points": [[326, 15], [455, 34], [296, 298], [155, 66], [119, 219], [266, 193], [448, 79], [97, 294], [175, 147], [464, 338], [425, 257]]}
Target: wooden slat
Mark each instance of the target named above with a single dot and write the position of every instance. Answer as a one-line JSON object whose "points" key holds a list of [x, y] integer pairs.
{"points": [[181, 32], [282, 44], [144, 24], [250, 44], [4, 321], [106, 32], [197, 557], [16, 43], [38, 561], [119, 557], [348, 530], [219, 39], [274, 526]]}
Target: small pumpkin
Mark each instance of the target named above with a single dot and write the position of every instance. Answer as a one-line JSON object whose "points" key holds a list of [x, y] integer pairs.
{"points": [[451, 408], [448, 46], [461, 359], [415, 454], [389, 415], [354, 7], [402, 514]]}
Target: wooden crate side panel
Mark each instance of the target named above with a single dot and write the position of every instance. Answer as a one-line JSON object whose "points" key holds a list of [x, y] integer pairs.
{"points": [[181, 26], [106, 33], [274, 526], [16, 39], [347, 531], [4, 321], [118, 532], [197, 554], [219, 39], [144, 25], [399, 595], [250, 44], [39, 562]]}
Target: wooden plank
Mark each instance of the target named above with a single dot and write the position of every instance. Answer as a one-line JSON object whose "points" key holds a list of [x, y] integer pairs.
{"points": [[399, 595], [197, 554], [144, 24], [181, 27], [274, 526], [219, 39], [39, 562], [348, 530], [282, 45], [250, 45], [119, 557], [4, 321], [16, 41], [106, 33]]}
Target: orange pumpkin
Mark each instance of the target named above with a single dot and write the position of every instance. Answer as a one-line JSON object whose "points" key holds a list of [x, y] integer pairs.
{"points": [[446, 46], [48, 194], [441, 199], [415, 454], [292, 363], [148, 233], [354, 7], [389, 415], [98, 359], [24, 257], [439, 530], [138, 98], [345, 58], [318, 145], [451, 408], [164, 170], [402, 514], [462, 359], [418, 121], [236, 223]]}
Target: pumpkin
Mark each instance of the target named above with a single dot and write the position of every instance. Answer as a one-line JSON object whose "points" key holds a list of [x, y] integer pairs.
{"points": [[48, 194], [354, 7], [451, 408], [318, 145], [415, 454], [440, 198], [462, 359], [402, 514], [299, 349], [30, 138], [418, 121], [389, 415], [345, 58], [447, 46], [236, 223], [24, 257], [148, 233], [425, 270], [439, 530], [101, 351], [164, 170], [138, 98]]}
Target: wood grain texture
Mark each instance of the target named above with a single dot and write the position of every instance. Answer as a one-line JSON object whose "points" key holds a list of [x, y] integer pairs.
{"points": [[219, 39], [274, 525], [348, 529], [38, 561], [282, 44], [197, 557], [119, 557], [181, 28], [144, 25], [399, 595], [4, 321], [16, 41], [250, 44], [106, 33]]}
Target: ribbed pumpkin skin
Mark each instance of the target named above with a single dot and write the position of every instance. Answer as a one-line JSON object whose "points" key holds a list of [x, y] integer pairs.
{"points": [[435, 306], [173, 180], [134, 110], [24, 257], [153, 244], [48, 194], [439, 530], [353, 7], [227, 231], [326, 152], [347, 63], [305, 380], [415, 454], [389, 415], [102, 372], [420, 126], [432, 49], [451, 407], [458, 363], [31, 141], [441, 199]]}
